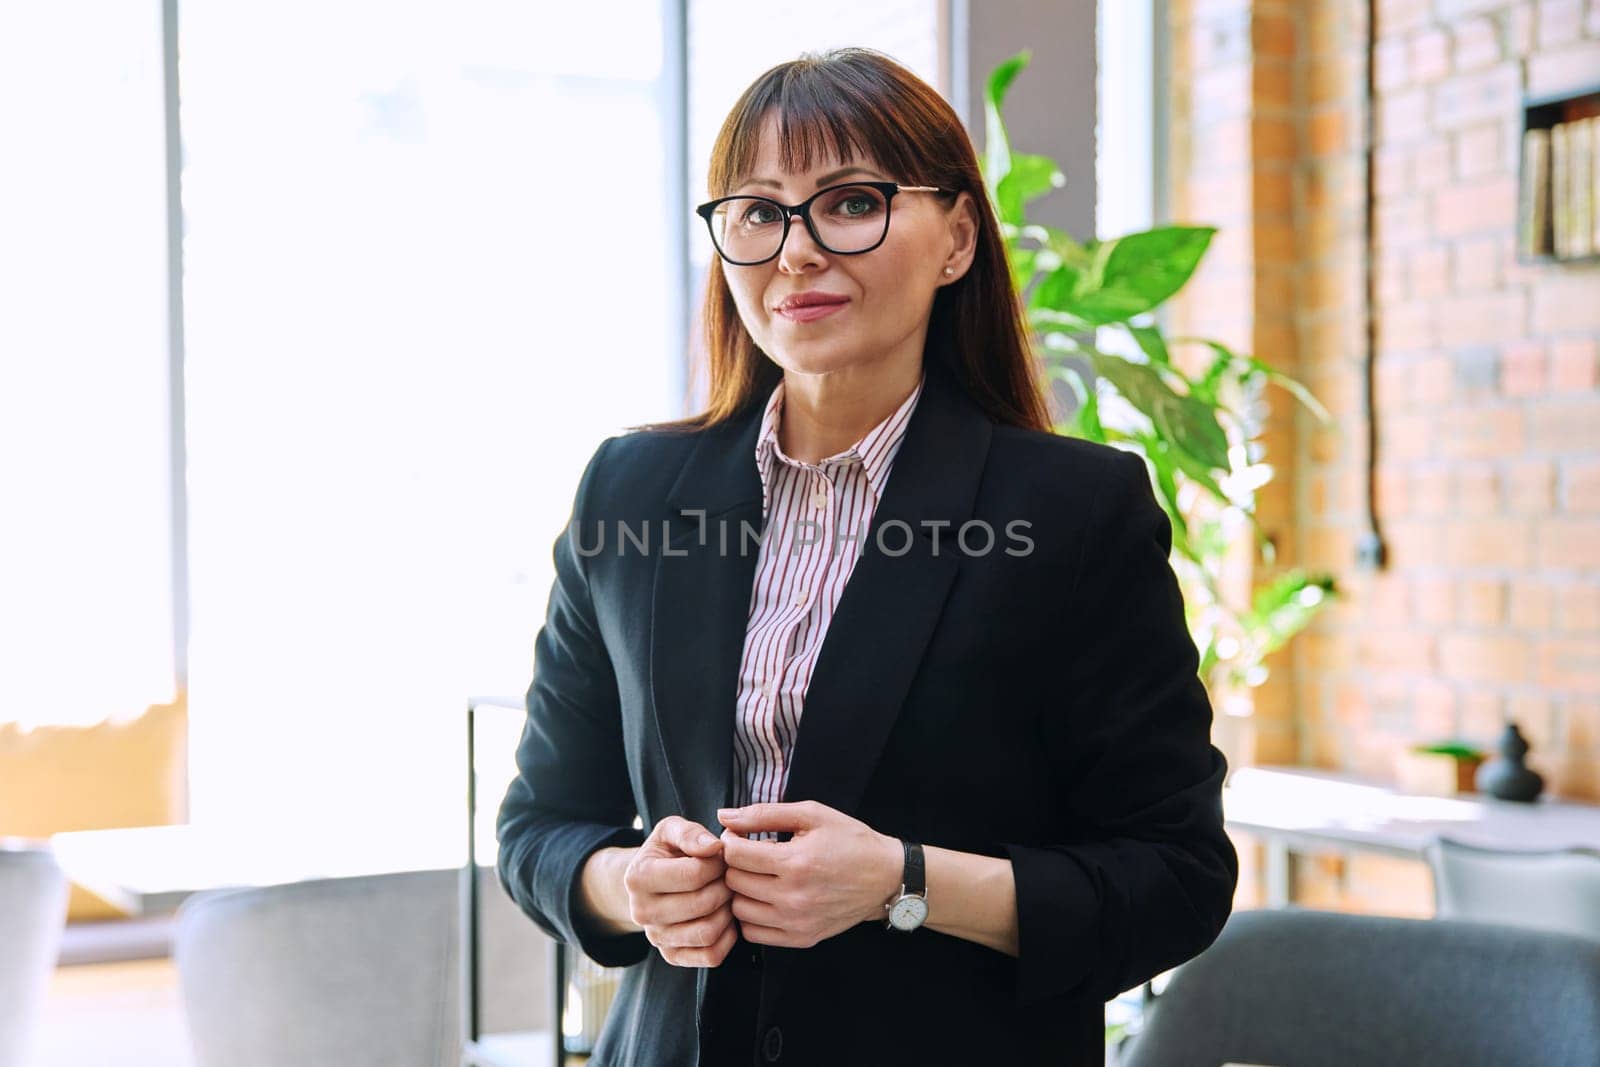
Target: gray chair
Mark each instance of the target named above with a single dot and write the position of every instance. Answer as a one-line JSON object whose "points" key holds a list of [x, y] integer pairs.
{"points": [[348, 972], [1548, 890], [33, 912], [1303, 988]]}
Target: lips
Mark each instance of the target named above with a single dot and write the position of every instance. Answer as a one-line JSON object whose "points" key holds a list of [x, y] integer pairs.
{"points": [[809, 307], [814, 299], [812, 312]]}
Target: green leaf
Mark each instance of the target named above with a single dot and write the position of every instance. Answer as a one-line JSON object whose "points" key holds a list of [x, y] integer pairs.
{"points": [[1189, 423], [1206, 385], [1458, 749], [997, 145], [1072, 252], [1136, 273], [1149, 340], [1227, 356], [1046, 320], [1028, 178], [1056, 292], [1166, 484], [1085, 421], [1197, 471], [1024, 264], [1284, 607], [1295, 389]]}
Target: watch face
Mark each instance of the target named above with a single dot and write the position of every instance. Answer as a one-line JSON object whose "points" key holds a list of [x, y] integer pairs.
{"points": [[908, 913]]}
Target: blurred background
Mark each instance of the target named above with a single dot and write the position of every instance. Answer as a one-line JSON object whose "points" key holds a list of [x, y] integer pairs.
{"points": [[310, 315]]}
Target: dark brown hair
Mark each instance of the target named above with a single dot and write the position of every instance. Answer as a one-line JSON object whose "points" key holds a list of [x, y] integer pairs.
{"points": [[857, 102]]}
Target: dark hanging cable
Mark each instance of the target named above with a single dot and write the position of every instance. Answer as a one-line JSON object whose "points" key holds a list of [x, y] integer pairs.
{"points": [[1370, 550]]}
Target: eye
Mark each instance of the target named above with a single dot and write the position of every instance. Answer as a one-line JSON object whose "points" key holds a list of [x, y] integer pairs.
{"points": [[758, 214], [852, 203]]}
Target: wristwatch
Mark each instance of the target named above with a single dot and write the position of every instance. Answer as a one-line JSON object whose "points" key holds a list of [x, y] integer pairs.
{"points": [[909, 909]]}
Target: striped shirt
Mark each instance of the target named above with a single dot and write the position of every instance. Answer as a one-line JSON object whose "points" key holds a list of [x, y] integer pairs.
{"points": [[816, 522]]}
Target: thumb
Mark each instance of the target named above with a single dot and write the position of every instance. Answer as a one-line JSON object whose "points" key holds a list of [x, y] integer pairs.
{"points": [[692, 839]]}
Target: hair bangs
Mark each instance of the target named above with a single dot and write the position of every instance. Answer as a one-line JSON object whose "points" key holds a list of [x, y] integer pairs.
{"points": [[820, 115]]}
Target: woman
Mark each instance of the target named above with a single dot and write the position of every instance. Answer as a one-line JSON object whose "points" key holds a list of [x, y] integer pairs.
{"points": [[897, 679]]}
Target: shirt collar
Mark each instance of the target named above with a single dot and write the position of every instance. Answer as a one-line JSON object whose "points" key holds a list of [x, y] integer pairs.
{"points": [[875, 451]]}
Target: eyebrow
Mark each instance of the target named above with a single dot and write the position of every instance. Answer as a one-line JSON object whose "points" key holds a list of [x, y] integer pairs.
{"points": [[826, 179]]}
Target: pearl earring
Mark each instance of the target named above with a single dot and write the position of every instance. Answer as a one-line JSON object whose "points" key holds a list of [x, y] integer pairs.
{"points": [[949, 270]]}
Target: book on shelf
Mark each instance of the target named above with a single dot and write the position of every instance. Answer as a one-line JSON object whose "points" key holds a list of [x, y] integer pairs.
{"points": [[1560, 201], [1580, 183], [1533, 212], [1593, 122]]}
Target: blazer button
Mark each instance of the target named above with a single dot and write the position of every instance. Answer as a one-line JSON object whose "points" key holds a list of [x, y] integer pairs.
{"points": [[772, 1045]]}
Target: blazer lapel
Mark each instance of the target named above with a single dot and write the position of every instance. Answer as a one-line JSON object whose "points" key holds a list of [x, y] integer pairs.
{"points": [[699, 609]]}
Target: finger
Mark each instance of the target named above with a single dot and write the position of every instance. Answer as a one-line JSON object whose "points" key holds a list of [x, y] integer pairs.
{"points": [[676, 874], [704, 957], [757, 934], [750, 910], [724, 945], [689, 837], [670, 908], [763, 887], [702, 932], [759, 857], [797, 815]]}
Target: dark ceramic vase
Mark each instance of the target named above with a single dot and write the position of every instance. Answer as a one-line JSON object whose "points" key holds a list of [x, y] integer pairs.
{"points": [[1507, 776]]}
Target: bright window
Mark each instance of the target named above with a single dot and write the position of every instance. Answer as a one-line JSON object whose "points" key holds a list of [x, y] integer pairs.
{"points": [[86, 629], [423, 282]]}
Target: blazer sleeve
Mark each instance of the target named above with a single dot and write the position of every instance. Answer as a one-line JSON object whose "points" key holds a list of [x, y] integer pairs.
{"points": [[1146, 878], [571, 795]]}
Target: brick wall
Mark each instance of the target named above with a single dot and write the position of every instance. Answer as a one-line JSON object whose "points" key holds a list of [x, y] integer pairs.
{"points": [[1486, 393]]}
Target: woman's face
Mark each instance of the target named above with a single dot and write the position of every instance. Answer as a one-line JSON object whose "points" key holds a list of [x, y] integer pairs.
{"points": [[887, 292]]}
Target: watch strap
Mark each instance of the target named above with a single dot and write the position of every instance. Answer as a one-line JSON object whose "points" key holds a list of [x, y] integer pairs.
{"points": [[915, 876]]}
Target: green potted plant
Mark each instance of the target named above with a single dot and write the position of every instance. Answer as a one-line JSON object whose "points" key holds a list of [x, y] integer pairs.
{"points": [[1092, 305]]}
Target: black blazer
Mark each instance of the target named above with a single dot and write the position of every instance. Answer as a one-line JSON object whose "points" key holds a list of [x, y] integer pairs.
{"points": [[1041, 704]]}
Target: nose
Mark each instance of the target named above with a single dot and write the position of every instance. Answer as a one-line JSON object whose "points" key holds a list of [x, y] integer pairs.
{"points": [[798, 247]]}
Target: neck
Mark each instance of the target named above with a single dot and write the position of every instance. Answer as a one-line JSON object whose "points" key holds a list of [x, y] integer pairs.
{"points": [[824, 414]]}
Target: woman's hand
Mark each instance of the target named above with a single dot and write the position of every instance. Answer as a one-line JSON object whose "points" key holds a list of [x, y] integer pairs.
{"points": [[834, 873], [677, 895]]}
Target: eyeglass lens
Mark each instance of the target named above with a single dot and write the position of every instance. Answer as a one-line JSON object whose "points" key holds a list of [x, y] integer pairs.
{"points": [[851, 218]]}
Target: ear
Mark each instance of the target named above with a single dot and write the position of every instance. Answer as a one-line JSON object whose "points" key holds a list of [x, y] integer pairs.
{"points": [[962, 218]]}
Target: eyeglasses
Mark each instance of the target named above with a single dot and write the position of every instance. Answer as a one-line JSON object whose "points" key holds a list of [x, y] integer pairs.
{"points": [[846, 220]]}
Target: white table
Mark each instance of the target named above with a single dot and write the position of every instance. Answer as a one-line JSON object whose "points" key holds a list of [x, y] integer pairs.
{"points": [[1296, 809], [149, 870]]}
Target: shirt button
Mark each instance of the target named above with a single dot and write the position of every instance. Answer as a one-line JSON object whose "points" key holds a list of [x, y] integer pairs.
{"points": [[772, 1045], [800, 598], [819, 499], [771, 689]]}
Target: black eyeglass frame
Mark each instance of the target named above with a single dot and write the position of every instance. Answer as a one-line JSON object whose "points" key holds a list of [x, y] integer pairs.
{"points": [[803, 209]]}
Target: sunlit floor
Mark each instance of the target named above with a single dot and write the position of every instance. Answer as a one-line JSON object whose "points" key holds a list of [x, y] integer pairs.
{"points": [[113, 1014], [118, 1015]]}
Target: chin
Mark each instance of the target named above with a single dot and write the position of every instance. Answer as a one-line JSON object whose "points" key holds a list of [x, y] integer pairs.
{"points": [[803, 362], [816, 357]]}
